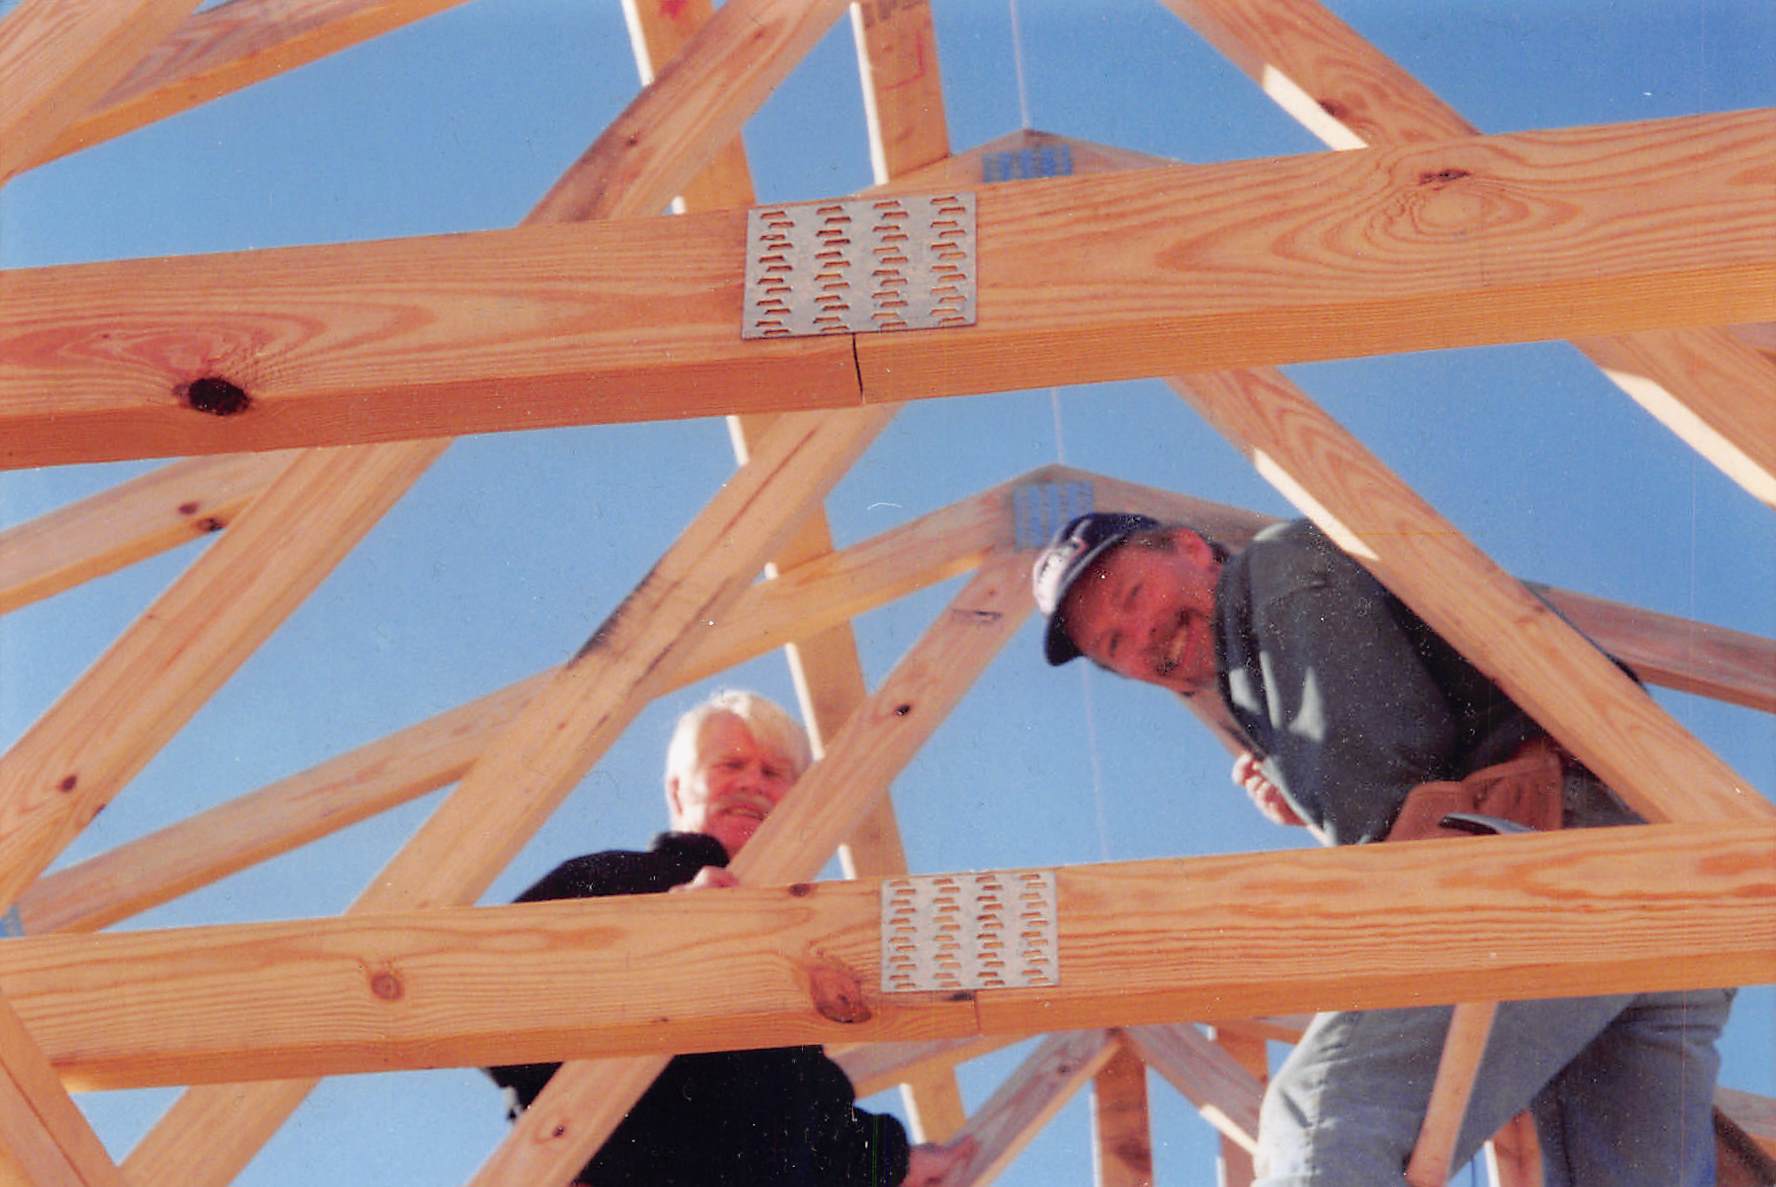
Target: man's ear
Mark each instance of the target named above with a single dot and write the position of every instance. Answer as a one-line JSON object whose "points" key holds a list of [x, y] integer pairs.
{"points": [[1192, 545], [674, 809]]}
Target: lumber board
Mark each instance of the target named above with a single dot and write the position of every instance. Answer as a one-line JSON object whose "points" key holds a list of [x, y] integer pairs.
{"points": [[695, 104], [1579, 912], [659, 30], [56, 58], [1704, 386], [1487, 239], [45, 1141], [1248, 1049], [1209, 1077], [828, 803], [1582, 699], [1754, 1115], [1122, 1139], [873, 1067], [902, 91], [225, 48], [1514, 1154], [132, 521], [1059, 1066], [410, 762], [82, 751]]}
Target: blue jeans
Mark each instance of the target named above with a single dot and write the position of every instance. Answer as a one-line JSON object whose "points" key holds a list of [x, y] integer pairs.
{"points": [[1621, 1088]]}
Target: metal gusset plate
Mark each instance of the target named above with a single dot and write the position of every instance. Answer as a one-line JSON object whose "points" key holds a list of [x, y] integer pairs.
{"points": [[969, 931], [861, 265]]}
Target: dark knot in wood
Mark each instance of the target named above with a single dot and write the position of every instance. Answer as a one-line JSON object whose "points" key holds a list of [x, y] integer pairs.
{"points": [[837, 995]]}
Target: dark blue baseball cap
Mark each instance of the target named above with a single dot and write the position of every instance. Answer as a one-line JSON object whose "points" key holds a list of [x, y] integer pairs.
{"points": [[1068, 555]]}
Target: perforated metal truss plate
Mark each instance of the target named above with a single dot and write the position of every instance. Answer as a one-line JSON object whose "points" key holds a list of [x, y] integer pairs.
{"points": [[969, 931], [902, 263]]}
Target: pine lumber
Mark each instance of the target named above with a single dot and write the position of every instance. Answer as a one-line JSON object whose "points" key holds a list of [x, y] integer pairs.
{"points": [[1249, 1049], [1570, 688], [660, 30], [1122, 1139], [44, 1139], [56, 58], [132, 521], [1059, 1066], [1434, 1152], [225, 48], [410, 762], [1755, 1115], [1579, 912], [579, 1108], [873, 1067], [1514, 1154], [118, 715], [1209, 1077], [1485, 239], [1705, 386], [902, 90]]}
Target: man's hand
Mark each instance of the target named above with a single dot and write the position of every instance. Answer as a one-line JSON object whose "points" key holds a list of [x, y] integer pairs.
{"points": [[707, 877], [929, 1165], [1266, 796]]}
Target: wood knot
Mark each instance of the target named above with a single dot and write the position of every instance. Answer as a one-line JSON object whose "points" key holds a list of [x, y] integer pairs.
{"points": [[902, 710], [800, 890], [188, 508], [837, 995], [1435, 177], [1334, 108], [216, 396], [68, 783], [387, 986]]}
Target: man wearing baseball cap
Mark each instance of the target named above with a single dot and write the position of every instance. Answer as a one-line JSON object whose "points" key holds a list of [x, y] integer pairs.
{"points": [[1365, 725]]}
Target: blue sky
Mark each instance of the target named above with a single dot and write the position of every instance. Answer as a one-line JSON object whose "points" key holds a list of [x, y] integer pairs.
{"points": [[513, 547]]}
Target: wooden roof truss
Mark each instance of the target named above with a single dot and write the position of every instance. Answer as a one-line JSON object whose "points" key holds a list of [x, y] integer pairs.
{"points": [[268, 997]]}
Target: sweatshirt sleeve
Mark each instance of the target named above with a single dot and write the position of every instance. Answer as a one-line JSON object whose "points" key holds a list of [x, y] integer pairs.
{"points": [[852, 1147]]}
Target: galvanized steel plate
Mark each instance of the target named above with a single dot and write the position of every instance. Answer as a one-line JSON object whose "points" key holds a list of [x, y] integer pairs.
{"points": [[861, 265], [969, 931]]}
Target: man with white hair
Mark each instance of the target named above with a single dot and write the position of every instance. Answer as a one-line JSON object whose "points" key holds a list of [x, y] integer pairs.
{"points": [[784, 1116]]}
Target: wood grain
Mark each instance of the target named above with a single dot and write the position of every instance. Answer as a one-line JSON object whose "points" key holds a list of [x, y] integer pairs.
{"points": [[1250, 1051], [1571, 689], [873, 1067], [1122, 1141], [56, 58], [1704, 385], [1059, 1067], [225, 48], [902, 90], [793, 843], [1223, 1091], [132, 521], [1581, 912], [1084, 278], [44, 1139]]}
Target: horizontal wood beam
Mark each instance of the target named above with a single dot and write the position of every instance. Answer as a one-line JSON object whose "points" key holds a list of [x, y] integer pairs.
{"points": [[228, 47], [1580, 912], [130, 522], [1487, 239]]}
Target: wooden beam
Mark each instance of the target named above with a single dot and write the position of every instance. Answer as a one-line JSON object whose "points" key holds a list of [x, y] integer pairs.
{"points": [[1122, 1142], [1703, 385], [902, 91], [392, 770], [1569, 687], [602, 322], [56, 58], [225, 48], [660, 31], [1754, 1115], [873, 1067], [1223, 1091], [118, 715], [1250, 1051], [44, 1139], [552, 741], [1514, 1154], [1030, 1096], [130, 522], [579, 1108], [695, 104], [1579, 912]]}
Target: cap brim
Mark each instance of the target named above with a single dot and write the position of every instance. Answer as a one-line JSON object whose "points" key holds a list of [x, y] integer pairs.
{"points": [[1058, 648]]}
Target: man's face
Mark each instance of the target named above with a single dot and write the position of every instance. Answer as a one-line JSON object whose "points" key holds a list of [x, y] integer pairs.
{"points": [[734, 786], [1148, 613]]}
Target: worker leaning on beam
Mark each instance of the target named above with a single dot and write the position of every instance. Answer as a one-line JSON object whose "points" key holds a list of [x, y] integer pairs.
{"points": [[1365, 725], [784, 1116]]}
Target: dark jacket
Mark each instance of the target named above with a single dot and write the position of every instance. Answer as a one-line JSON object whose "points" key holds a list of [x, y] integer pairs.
{"points": [[726, 1118]]}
